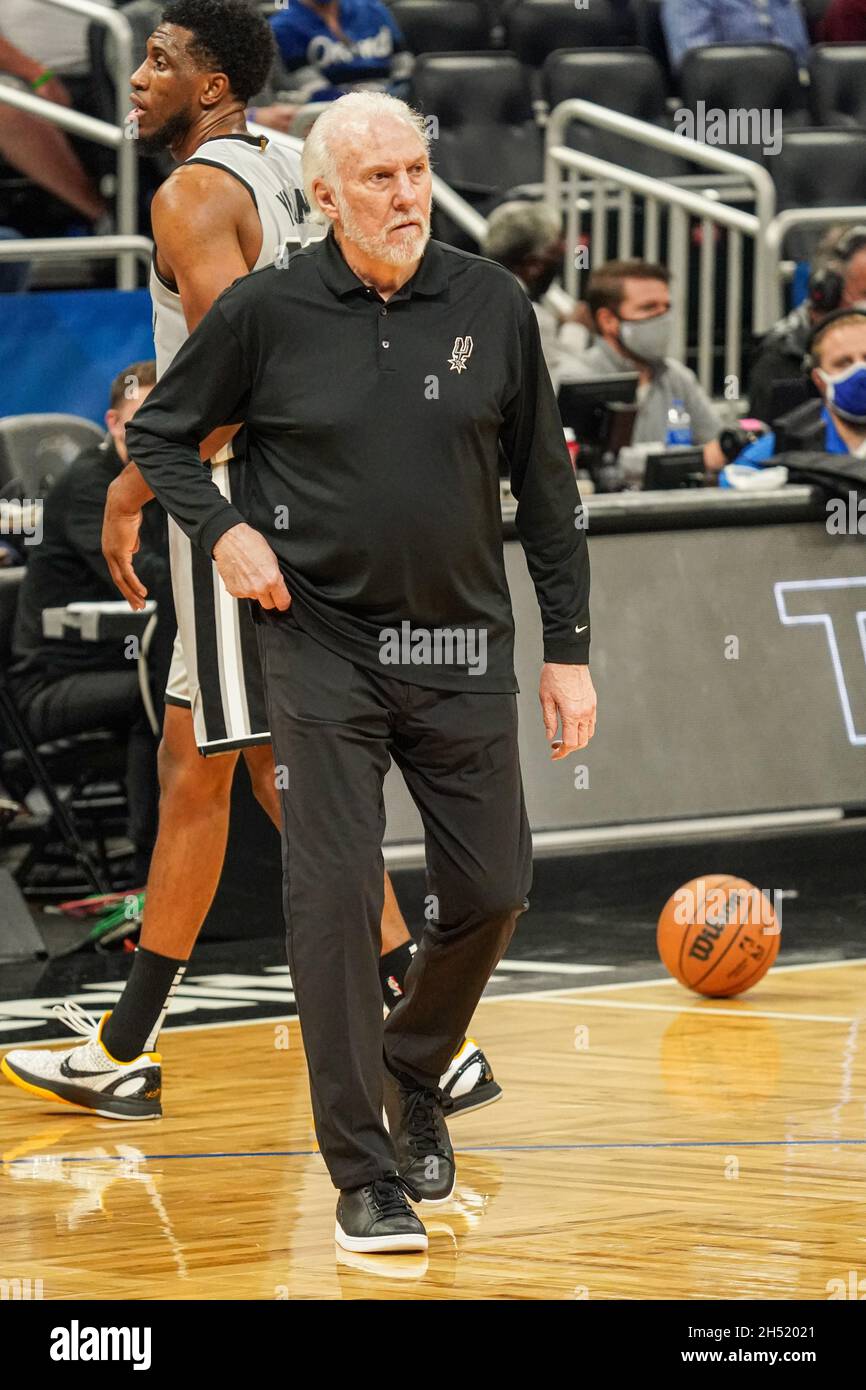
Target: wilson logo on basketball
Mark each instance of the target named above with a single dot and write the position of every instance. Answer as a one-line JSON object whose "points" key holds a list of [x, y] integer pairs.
{"points": [[718, 935]]}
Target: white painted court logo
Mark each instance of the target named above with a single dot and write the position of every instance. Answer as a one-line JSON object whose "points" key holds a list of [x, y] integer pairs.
{"points": [[460, 355]]}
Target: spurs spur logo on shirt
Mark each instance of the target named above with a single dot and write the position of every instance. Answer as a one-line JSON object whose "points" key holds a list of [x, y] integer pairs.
{"points": [[462, 352]]}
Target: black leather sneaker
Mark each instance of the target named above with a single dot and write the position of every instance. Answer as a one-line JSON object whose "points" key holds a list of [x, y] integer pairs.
{"points": [[377, 1217], [425, 1158]]}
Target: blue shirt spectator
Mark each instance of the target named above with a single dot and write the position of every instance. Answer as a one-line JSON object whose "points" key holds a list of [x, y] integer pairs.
{"points": [[340, 45], [763, 449], [697, 23]]}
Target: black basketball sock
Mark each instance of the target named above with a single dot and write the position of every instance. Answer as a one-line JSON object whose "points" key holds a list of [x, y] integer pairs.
{"points": [[134, 1023], [392, 972]]}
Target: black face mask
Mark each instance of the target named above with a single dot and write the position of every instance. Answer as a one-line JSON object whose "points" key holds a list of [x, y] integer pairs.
{"points": [[541, 282]]}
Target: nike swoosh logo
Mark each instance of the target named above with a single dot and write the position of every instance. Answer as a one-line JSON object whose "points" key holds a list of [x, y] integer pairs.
{"points": [[67, 1070], [582, 629]]}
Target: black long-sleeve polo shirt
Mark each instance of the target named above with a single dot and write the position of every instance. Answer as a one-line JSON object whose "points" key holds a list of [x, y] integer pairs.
{"points": [[370, 456]]}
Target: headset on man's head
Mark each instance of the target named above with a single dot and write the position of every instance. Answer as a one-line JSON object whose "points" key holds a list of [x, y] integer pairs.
{"points": [[827, 281], [809, 361]]}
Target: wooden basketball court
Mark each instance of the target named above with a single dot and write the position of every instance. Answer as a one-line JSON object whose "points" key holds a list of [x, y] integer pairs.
{"points": [[649, 1144]]}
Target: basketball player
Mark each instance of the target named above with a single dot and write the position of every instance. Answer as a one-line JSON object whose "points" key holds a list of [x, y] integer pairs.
{"points": [[229, 208]]}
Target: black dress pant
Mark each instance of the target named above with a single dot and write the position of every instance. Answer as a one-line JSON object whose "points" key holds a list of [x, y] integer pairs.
{"points": [[335, 727]]}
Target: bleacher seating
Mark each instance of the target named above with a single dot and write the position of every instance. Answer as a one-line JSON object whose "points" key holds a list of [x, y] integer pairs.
{"points": [[536, 28], [35, 449], [628, 80], [651, 34], [442, 26], [820, 167], [838, 84], [742, 77], [488, 139]]}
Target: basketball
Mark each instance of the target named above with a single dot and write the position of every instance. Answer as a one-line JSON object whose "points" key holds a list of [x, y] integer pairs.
{"points": [[718, 935]]}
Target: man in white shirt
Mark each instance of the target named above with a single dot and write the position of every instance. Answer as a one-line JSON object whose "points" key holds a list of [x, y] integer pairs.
{"points": [[527, 239]]}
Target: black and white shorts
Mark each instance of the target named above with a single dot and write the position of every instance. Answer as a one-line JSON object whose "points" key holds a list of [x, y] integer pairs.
{"points": [[215, 668]]}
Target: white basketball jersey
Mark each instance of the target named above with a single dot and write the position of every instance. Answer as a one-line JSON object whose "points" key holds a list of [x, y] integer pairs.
{"points": [[215, 666], [272, 175]]}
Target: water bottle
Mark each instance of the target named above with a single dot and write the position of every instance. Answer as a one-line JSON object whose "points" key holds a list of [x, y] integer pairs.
{"points": [[679, 425]]}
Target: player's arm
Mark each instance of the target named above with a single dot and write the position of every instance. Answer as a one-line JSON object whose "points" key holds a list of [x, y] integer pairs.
{"points": [[208, 383], [549, 525], [196, 215]]}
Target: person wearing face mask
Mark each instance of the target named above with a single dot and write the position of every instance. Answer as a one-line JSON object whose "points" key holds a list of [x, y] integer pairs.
{"points": [[630, 304], [527, 239], [837, 281], [836, 422]]}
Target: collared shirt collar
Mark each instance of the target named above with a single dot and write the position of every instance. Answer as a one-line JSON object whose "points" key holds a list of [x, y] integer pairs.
{"points": [[429, 279], [833, 441]]}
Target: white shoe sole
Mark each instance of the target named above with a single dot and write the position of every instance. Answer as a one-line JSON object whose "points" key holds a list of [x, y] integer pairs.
{"points": [[45, 1091], [380, 1244]]}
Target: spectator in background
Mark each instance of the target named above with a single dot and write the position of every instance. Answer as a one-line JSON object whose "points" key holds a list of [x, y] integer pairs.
{"points": [[331, 47], [34, 147], [696, 23], [835, 423], [70, 687], [527, 239], [844, 21], [837, 281], [56, 36], [630, 304]]}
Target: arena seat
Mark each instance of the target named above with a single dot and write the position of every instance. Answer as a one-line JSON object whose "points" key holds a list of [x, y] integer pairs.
{"points": [[628, 80], [536, 28], [488, 139], [35, 449], [736, 76], [651, 34], [69, 762], [838, 84], [813, 11], [442, 26], [820, 167]]}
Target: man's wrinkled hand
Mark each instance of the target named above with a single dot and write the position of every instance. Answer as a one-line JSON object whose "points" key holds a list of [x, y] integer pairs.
{"points": [[121, 539], [567, 695], [249, 569]]}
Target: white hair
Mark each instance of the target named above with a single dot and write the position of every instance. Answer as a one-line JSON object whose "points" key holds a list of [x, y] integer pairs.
{"points": [[342, 129], [517, 230]]}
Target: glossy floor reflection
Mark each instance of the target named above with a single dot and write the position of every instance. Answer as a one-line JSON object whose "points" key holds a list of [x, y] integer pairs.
{"points": [[649, 1144]]}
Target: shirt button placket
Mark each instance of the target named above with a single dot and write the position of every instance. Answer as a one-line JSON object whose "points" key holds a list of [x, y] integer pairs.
{"points": [[385, 350]]}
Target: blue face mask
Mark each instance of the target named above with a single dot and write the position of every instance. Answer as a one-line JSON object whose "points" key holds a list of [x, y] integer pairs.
{"points": [[846, 393]]}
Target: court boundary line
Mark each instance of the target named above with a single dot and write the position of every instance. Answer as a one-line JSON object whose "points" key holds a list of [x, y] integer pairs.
{"points": [[706, 1012], [637, 1145], [528, 996]]}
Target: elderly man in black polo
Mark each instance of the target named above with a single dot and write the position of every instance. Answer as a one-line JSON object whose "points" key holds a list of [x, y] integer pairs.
{"points": [[378, 374]]}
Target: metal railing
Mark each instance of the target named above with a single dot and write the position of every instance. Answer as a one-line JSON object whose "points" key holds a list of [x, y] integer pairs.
{"points": [[785, 222], [581, 186], [93, 248], [117, 137]]}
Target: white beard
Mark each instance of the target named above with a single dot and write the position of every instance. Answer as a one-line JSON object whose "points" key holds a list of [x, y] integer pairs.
{"points": [[408, 247]]}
